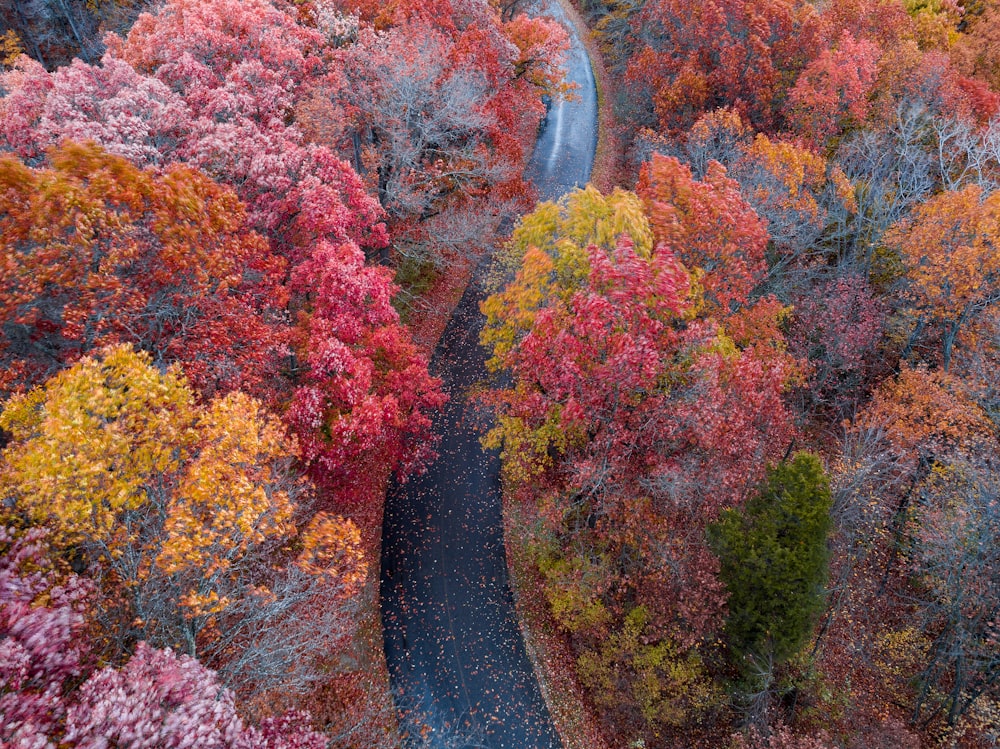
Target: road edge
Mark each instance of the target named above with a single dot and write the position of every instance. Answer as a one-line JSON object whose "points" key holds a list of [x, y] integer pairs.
{"points": [[550, 655], [564, 697]]}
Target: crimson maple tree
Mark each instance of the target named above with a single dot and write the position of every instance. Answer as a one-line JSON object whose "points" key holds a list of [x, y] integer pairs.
{"points": [[364, 396], [635, 417], [832, 93]]}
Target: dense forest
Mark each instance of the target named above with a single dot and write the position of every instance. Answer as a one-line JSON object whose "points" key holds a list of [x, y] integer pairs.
{"points": [[746, 394]]}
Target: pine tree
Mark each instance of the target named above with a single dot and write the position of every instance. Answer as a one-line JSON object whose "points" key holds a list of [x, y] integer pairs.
{"points": [[773, 559]]}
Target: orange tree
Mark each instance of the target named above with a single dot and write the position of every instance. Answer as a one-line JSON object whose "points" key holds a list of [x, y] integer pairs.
{"points": [[949, 249], [96, 251], [692, 57]]}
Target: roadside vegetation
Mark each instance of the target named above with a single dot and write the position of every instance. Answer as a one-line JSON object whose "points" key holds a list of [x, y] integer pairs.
{"points": [[746, 386]]}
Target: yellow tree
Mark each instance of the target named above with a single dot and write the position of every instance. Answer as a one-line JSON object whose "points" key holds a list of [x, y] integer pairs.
{"points": [[950, 248], [189, 517], [549, 252], [10, 48]]}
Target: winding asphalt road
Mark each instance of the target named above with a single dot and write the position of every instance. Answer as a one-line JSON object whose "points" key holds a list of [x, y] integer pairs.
{"points": [[456, 658]]}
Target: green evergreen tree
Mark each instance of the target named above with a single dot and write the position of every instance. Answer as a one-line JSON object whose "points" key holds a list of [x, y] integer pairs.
{"points": [[774, 561]]}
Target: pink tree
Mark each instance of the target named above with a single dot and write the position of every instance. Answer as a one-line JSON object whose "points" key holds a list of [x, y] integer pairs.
{"points": [[833, 91], [365, 393], [212, 84], [837, 327], [40, 646], [157, 699], [240, 66], [127, 113]]}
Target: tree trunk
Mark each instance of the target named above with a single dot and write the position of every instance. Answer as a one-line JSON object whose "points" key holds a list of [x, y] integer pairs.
{"points": [[948, 343]]}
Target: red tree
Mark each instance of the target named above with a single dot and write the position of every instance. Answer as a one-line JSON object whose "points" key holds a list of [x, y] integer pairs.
{"points": [[695, 57], [837, 327], [634, 418], [365, 395], [832, 93], [710, 227]]}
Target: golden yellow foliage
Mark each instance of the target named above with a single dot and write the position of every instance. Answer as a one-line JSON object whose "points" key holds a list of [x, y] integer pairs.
{"points": [[84, 455], [669, 686], [331, 546], [164, 493], [800, 171], [581, 218], [10, 48], [236, 492]]}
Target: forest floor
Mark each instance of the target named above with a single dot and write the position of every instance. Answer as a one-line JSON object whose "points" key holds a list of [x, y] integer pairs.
{"points": [[550, 653]]}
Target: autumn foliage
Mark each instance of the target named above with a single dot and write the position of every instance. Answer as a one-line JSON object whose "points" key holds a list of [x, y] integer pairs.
{"points": [[100, 252], [711, 226], [97, 251], [51, 690], [634, 418], [438, 108], [747, 401], [948, 247], [203, 368], [694, 57], [825, 211], [186, 516], [832, 93]]}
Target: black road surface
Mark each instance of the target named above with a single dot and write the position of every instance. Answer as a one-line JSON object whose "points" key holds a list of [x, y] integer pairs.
{"points": [[455, 653]]}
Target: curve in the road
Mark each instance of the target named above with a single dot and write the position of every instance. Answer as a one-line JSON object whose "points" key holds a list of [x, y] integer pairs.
{"points": [[456, 657]]}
